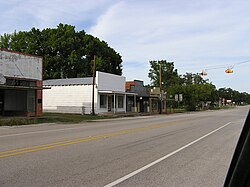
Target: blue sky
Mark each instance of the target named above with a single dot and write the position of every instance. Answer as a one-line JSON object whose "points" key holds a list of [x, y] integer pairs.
{"points": [[195, 34]]}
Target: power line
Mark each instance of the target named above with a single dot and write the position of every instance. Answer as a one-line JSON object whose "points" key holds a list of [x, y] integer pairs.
{"points": [[229, 66]]}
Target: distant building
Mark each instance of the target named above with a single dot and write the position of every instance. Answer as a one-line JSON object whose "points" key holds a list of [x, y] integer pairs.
{"points": [[156, 97], [74, 95], [20, 84], [147, 99], [140, 103]]}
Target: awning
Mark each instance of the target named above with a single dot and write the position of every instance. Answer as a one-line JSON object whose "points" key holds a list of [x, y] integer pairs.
{"points": [[115, 92], [6, 87]]}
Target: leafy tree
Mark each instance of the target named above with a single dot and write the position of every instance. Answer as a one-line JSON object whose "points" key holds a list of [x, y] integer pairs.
{"points": [[194, 88], [190, 78], [235, 96], [194, 94], [169, 74], [66, 52], [5, 41]]}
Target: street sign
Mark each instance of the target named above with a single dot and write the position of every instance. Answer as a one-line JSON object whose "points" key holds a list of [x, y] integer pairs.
{"points": [[180, 97], [176, 97]]}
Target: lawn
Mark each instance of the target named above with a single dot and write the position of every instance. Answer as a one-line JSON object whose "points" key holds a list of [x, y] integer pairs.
{"points": [[49, 118]]}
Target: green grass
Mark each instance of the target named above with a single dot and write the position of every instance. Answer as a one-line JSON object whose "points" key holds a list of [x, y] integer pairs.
{"points": [[227, 107], [49, 118], [223, 107], [72, 118], [180, 110]]}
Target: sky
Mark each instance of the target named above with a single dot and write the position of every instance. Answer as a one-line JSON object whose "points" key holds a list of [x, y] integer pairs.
{"points": [[194, 34]]}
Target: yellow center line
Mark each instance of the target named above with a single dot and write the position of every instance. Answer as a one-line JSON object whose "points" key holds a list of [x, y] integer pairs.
{"points": [[36, 148]]}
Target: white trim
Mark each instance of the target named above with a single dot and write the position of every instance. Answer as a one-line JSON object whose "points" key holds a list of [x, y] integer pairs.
{"points": [[116, 92]]}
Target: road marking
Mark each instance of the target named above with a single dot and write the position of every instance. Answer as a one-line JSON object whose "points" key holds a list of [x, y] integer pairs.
{"points": [[36, 148], [37, 132], [162, 158]]}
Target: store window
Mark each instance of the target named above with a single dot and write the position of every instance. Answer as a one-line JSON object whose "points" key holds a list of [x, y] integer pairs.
{"points": [[120, 101], [103, 101]]}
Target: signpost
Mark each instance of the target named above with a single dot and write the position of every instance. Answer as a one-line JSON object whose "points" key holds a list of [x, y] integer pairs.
{"points": [[178, 98]]}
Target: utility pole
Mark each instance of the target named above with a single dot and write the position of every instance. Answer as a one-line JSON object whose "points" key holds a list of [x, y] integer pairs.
{"points": [[93, 88], [160, 103]]}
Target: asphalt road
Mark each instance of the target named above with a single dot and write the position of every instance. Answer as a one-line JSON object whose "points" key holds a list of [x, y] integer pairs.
{"points": [[193, 149]]}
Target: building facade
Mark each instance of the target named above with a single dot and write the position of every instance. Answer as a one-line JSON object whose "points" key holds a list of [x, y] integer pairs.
{"points": [[140, 102], [147, 99], [157, 100], [74, 95], [20, 84]]}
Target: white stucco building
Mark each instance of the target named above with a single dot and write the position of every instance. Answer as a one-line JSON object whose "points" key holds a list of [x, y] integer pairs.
{"points": [[74, 95]]}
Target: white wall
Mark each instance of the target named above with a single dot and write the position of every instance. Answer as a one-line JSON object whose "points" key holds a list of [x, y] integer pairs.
{"points": [[69, 99], [72, 98], [22, 66], [107, 81]]}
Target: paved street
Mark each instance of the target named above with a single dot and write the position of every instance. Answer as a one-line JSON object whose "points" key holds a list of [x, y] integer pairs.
{"points": [[192, 149]]}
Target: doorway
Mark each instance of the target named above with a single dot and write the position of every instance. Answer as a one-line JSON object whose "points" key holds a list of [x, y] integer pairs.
{"points": [[110, 103]]}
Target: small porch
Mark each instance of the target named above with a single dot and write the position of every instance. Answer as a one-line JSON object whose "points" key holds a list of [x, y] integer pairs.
{"points": [[112, 102]]}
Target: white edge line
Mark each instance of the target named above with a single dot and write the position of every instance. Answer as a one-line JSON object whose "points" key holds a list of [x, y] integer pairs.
{"points": [[161, 159]]}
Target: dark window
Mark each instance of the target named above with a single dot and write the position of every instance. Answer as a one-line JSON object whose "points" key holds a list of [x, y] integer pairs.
{"points": [[103, 101], [120, 101]]}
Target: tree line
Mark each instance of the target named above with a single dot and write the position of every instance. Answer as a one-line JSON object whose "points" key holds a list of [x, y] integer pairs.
{"points": [[197, 92], [66, 52]]}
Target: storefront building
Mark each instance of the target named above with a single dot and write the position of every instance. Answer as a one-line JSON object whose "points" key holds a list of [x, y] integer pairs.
{"points": [[74, 95], [20, 84]]}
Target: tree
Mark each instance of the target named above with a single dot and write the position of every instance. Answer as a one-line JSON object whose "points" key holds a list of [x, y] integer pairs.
{"points": [[66, 52], [196, 90], [234, 96], [195, 95], [190, 78], [169, 74], [5, 41]]}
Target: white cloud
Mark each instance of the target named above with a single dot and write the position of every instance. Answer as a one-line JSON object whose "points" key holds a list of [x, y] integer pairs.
{"points": [[195, 35], [22, 15]]}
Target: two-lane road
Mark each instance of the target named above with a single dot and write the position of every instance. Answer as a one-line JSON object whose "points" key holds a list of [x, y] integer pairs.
{"points": [[192, 149]]}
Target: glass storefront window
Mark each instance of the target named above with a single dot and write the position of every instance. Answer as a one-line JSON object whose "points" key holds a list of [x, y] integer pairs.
{"points": [[103, 101]]}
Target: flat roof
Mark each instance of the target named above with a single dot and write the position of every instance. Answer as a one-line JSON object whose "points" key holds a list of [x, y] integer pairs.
{"points": [[20, 53], [69, 81]]}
